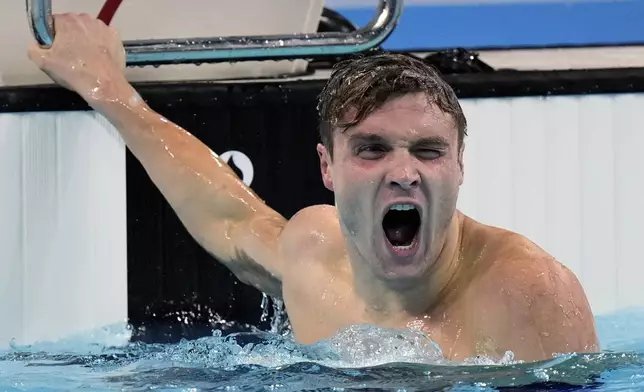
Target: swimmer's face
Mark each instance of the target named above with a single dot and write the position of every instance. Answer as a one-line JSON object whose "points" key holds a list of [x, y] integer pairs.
{"points": [[396, 178]]}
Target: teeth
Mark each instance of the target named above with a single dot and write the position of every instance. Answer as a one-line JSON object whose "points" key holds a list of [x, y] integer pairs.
{"points": [[402, 207], [405, 247]]}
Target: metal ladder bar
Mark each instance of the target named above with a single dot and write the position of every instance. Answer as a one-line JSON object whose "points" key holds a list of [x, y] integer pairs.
{"points": [[230, 49]]}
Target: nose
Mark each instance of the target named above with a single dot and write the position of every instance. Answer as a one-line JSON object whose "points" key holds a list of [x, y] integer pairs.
{"points": [[404, 174]]}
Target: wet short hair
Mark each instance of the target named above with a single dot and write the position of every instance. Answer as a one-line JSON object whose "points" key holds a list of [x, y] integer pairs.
{"points": [[365, 83]]}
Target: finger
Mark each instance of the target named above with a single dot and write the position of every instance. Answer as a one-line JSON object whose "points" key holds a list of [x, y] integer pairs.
{"points": [[37, 54], [86, 17], [61, 22], [69, 23], [115, 33], [85, 22], [100, 22]]}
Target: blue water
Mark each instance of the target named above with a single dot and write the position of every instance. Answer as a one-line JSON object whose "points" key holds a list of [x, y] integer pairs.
{"points": [[359, 358]]}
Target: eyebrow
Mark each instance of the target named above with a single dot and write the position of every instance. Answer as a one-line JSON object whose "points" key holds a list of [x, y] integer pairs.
{"points": [[433, 141], [361, 137]]}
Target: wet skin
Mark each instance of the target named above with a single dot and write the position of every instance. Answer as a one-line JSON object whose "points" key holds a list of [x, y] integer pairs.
{"points": [[472, 288]]}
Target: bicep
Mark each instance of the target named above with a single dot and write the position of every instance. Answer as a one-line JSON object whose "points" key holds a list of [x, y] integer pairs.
{"points": [[258, 248], [255, 256], [248, 247]]}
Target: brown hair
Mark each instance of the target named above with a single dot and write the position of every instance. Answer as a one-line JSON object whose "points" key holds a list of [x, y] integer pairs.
{"points": [[365, 83]]}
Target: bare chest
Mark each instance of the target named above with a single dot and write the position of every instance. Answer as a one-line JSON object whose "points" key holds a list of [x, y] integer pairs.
{"points": [[320, 309]]}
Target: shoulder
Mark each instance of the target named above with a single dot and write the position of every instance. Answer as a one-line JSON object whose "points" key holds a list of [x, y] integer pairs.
{"points": [[512, 264], [502, 253], [524, 266], [314, 231], [533, 297]]}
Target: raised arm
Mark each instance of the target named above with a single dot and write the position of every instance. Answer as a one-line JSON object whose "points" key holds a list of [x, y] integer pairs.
{"points": [[218, 210]]}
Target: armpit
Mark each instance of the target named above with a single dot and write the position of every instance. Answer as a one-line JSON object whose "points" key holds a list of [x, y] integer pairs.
{"points": [[253, 273]]}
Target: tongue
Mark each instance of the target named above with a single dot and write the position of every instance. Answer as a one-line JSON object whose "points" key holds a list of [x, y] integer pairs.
{"points": [[400, 235]]}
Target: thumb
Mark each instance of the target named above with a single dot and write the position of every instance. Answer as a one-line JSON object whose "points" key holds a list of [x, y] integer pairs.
{"points": [[37, 54]]}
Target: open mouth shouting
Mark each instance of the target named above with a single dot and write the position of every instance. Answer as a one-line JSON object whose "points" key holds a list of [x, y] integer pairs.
{"points": [[401, 225]]}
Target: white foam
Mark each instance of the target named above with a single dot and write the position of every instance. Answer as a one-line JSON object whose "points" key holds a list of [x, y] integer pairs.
{"points": [[87, 342]]}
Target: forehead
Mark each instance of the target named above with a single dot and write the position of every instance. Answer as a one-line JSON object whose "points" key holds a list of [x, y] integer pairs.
{"points": [[407, 117]]}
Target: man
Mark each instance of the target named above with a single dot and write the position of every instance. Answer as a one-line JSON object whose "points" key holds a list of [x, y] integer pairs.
{"points": [[393, 251]]}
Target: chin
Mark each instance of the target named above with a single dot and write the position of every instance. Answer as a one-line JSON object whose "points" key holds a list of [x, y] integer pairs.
{"points": [[399, 273]]}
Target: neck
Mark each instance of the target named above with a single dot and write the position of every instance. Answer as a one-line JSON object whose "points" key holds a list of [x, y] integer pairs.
{"points": [[391, 301]]}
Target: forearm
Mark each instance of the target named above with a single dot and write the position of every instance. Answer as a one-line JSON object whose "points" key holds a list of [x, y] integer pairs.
{"points": [[199, 186]]}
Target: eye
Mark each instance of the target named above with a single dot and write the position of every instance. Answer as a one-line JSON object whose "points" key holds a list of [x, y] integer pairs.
{"points": [[371, 151], [428, 153]]}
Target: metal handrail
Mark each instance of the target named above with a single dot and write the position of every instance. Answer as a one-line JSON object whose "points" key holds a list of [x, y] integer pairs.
{"points": [[222, 49]]}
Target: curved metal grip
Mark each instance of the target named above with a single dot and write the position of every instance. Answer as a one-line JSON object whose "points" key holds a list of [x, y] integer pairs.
{"points": [[221, 49]]}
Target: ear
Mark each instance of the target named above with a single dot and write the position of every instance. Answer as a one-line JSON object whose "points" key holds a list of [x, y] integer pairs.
{"points": [[460, 162], [325, 166]]}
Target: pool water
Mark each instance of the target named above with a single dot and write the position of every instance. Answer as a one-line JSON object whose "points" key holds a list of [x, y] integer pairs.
{"points": [[358, 358]]}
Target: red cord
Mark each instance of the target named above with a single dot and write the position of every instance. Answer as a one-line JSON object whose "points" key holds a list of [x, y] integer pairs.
{"points": [[108, 10]]}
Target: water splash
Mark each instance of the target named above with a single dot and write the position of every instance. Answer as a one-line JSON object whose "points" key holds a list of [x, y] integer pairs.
{"points": [[279, 323], [264, 306], [357, 357], [380, 360], [96, 341]]}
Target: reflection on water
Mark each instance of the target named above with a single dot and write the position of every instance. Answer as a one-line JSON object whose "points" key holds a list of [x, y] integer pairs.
{"points": [[359, 357]]}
